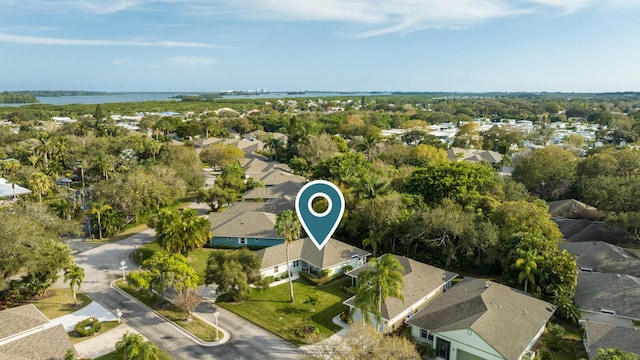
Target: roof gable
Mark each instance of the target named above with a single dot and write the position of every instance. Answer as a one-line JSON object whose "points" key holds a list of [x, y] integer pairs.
{"points": [[603, 257], [597, 291]]}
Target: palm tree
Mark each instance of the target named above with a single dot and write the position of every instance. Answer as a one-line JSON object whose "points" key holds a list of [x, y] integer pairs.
{"points": [[182, 232], [367, 144], [275, 145], [288, 225], [370, 186], [97, 208], [145, 351], [74, 275], [374, 240], [41, 184], [527, 263], [127, 344], [383, 278]]}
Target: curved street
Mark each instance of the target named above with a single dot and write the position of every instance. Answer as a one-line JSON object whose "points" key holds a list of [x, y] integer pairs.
{"points": [[247, 341]]}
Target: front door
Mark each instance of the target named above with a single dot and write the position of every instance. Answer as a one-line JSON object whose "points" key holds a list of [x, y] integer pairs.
{"points": [[442, 349]]}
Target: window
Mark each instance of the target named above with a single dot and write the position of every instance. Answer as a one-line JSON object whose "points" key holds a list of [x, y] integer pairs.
{"points": [[296, 263], [275, 269], [446, 286], [426, 334], [242, 241]]}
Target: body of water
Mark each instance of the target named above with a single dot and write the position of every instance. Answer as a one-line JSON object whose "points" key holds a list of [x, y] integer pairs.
{"points": [[140, 97]]}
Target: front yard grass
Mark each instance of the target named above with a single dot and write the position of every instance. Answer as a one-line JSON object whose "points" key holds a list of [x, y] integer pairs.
{"points": [[272, 310], [59, 302], [197, 327]]}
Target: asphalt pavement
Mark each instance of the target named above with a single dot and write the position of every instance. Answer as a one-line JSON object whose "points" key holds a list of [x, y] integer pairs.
{"points": [[102, 265]]}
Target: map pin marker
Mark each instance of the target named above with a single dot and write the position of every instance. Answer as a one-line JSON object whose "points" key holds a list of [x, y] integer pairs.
{"points": [[320, 226]]}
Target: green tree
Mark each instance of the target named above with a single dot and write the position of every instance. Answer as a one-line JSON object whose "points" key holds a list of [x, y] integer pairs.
{"points": [[367, 144], [615, 354], [276, 146], [219, 155], [97, 208], [512, 217], [181, 231], [132, 346], [288, 226], [166, 272], [40, 184], [381, 279], [74, 275], [548, 172], [527, 264], [233, 272], [374, 241], [312, 300]]}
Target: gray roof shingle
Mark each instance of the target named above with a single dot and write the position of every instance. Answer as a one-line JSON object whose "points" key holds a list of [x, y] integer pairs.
{"points": [[419, 280], [287, 188], [21, 318], [333, 253], [505, 318], [255, 224], [603, 257], [48, 344], [609, 336], [597, 291]]}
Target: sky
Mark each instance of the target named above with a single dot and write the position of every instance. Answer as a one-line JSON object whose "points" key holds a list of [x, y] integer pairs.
{"points": [[336, 45]]}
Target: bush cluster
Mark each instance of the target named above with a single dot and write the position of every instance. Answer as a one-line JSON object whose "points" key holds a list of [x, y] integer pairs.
{"points": [[88, 327]]}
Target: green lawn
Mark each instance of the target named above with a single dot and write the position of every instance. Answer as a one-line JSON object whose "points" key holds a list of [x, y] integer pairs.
{"points": [[272, 310], [59, 302], [197, 258], [197, 327]]}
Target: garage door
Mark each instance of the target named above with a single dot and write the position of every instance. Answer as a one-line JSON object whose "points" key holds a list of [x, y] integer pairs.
{"points": [[463, 355]]}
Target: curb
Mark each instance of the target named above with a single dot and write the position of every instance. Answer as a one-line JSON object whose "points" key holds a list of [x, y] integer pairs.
{"points": [[194, 338]]}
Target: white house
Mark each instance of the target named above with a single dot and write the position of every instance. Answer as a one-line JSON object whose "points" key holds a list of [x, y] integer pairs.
{"points": [[480, 319], [422, 284]]}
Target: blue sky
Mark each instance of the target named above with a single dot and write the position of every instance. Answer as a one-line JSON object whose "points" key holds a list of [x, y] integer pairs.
{"points": [[381, 45]]}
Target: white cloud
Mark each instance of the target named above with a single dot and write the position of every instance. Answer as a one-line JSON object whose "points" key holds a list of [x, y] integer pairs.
{"points": [[117, 61], [192, 61], [81, 42]]}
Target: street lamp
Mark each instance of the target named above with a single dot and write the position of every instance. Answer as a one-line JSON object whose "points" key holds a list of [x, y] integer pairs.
{"points": [[123, 265], [215, 315], [118, 314]]}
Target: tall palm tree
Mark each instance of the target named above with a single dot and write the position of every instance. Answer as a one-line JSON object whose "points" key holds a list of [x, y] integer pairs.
{"points": [[145, 351], [181, 232], [368, 144], [97, 208], [128, 345], [288, 225], [383, 278], [370, 186], [527, 263], [74, 275]]}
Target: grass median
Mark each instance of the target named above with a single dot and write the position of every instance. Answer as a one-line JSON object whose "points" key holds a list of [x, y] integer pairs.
{"points": [[195, 326]]}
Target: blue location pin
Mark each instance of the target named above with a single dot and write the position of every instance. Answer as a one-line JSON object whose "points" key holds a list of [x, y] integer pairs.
{"points": [[320, 226]]}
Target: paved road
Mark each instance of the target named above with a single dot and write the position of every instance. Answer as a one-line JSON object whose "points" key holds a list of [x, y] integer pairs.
{"points": [[247, 341]]}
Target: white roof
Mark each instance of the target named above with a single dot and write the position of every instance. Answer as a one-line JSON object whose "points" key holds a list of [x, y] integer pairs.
{"points": [[7, 190]]}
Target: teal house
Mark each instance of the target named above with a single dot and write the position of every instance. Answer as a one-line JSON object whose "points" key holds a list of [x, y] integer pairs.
{"points": [[253, 229]]}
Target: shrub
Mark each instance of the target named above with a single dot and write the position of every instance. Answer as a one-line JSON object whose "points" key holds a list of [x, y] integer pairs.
{"points": [[323, 274], [349, 290], [556, 333], [344, 316], [307, 330], [346, 269], [545, 354], [88, 327]]}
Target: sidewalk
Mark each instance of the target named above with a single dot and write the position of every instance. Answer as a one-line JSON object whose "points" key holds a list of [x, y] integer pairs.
{"points": [[103, 343]]}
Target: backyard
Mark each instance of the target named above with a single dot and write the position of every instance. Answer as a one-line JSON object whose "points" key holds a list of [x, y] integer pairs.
{"points": [[272, 309]]}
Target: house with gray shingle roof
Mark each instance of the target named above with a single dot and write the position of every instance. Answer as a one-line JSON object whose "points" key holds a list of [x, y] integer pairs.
{"points": [[480, 319], [246, 228], [422, 284], [287, 188], [608, 298], [599, 256], [23, 336], [474, 155], [305, 256], [606, 336]]}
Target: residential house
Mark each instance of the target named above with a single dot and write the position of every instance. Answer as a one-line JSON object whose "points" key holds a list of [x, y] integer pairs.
{"points": [[248, 228], [9, 190], [24, 336], [599, 256], [608, 298], [473, 155], [573, 209], [305, 256], [479, 319], [606, 336], [582, 230], [280, 191], [422, 283]]}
